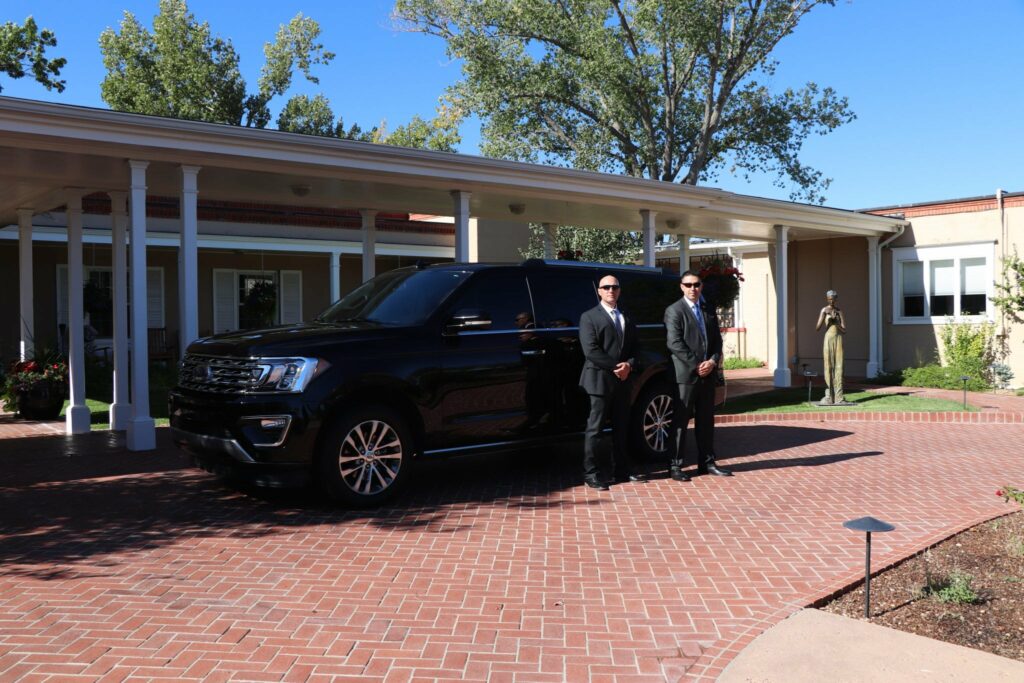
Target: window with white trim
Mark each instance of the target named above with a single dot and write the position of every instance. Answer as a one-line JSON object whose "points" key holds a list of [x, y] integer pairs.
{"points": [[230, 288], [934, 284], [98, 298]]}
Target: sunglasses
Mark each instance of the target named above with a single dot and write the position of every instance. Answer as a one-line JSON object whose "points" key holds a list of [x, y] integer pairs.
{"points": [[698, 285], [608, 287]]}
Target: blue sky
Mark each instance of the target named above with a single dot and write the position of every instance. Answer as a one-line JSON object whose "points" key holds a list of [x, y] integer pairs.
{"points": [[936, 84]]}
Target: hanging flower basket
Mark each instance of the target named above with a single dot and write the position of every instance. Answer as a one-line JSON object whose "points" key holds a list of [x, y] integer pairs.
{"points": [[721, 280]]}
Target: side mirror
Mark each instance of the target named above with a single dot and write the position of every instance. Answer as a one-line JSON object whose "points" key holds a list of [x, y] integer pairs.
{"points": [[468, 319]]}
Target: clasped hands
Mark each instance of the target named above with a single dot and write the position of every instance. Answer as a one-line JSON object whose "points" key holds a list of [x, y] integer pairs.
{"points": [[706, 368], [622, 371]]}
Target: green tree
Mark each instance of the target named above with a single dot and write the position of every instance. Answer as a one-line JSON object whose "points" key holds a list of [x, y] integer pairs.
{"points": [[182, 70], [23, 49], [1009, 298], [586, 244], [662, 89]]}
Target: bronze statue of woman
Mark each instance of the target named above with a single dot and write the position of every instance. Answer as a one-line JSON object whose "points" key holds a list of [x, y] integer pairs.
{"points": [[835, 327]]}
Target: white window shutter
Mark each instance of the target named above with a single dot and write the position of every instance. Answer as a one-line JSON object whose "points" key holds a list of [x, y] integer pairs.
{"points": [[225, 301], [290, 299], [155, 298]]}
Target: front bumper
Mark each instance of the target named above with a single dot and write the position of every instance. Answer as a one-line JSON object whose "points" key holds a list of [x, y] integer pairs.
{"points": [[253, 431]]}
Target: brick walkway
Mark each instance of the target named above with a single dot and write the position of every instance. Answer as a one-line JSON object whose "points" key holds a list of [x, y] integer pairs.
{"points": [[503, 568]]}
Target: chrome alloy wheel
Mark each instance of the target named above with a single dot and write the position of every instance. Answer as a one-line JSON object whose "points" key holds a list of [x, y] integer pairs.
{"points": [[370, 457], [657, 422]]}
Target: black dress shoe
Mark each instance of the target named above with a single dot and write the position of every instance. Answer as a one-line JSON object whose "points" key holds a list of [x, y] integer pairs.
{"points": [[623, 478], [678, 475], [594, 484], [717, 471]]}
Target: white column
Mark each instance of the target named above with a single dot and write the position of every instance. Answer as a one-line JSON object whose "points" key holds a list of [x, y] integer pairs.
{"points": [[25, 293], [369, 243], [460, 211], [550, 235], [141, 428], [737, 307], [684, 253], [782, 373], [335, 275], [874, 307], [77, 415], [648, 217], [188, 269], [121, 408]]}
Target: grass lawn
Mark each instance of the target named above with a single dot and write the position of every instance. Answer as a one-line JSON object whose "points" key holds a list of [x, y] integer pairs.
{"points": [[794, 400], [99, 414]]}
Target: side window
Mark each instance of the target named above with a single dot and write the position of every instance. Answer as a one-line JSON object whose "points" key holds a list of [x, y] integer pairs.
{"points": [[502, 295], [561, 297], [647, 296]]}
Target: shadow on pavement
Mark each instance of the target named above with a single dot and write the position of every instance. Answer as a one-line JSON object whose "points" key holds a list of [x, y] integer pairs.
{"points": [[68, 500]]}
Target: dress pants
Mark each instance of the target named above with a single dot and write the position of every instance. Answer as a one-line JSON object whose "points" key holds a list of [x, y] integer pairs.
{"points": [[695, 401], [596, 461]]}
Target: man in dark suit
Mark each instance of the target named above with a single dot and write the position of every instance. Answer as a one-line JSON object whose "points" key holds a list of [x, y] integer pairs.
{"points": [[695, 343], [608, 338]]}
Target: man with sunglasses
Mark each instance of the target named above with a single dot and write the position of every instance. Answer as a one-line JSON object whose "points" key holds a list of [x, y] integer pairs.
{"points": [[608, 338], [695, 343]]}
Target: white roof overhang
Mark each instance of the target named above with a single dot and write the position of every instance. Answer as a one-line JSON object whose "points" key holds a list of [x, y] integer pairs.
{"points": [[46, 148]]}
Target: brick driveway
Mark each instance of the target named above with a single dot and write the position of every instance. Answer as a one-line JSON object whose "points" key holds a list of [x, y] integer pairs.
{"points": [[116, 566]]}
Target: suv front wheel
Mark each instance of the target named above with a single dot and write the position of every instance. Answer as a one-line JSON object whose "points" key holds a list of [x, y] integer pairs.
{"points": [[365, 457]]}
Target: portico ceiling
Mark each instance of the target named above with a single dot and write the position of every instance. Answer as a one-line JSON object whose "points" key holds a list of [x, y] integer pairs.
{"points": [[46, 148]]}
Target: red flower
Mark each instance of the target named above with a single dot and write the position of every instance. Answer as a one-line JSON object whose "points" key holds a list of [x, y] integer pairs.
{"points": [[999, 493]]}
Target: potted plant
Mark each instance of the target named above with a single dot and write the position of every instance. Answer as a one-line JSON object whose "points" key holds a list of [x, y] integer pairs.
{"points": [[35, 389]]}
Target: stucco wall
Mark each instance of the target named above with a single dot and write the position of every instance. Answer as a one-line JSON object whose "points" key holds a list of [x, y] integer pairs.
{"points": [[501, 241]]}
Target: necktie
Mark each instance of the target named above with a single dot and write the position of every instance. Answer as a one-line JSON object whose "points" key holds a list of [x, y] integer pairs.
{"points": [[618, 322], [700, 321]]}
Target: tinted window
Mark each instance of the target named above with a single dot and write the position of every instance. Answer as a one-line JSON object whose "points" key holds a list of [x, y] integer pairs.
{"points": [[502, 295], [399, 297], [647, 296], [561, 296]]}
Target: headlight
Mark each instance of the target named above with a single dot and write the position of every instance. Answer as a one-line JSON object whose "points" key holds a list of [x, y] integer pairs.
{"points": [[287, 375]]}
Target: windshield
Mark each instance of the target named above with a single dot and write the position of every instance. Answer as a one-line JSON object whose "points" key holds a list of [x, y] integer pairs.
{"points": [[400, 297]]}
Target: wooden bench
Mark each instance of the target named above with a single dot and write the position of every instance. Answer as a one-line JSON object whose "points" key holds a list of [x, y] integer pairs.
{"points": [[160, 349]]}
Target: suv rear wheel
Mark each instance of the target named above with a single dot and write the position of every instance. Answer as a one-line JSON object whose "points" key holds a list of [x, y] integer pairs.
{"points": [[652, 422], [366, 456]]}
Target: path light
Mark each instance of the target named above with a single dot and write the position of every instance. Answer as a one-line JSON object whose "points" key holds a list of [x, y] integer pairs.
{"points": [[964, 379], [867, 525], [810, 375]]}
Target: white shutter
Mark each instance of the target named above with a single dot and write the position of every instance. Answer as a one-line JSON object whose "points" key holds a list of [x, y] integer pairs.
{"points": [[913, 278], [225, 301], [62, 295], [155, 298], [943, 278], [290, 299]]}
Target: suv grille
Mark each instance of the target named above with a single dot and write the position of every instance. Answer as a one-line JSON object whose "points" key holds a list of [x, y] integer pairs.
{"points": [[219, 375]]}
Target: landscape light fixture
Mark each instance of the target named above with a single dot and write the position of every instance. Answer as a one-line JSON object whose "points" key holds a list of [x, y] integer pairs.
{"points": [[810, 375], [868, 525], [964, 379]]}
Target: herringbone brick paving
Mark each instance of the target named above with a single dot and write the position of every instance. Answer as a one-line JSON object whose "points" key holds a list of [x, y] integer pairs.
{"points": [[118, 566]]}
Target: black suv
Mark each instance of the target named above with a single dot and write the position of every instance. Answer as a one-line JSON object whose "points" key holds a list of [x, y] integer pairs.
{"points": [[416, 363]]}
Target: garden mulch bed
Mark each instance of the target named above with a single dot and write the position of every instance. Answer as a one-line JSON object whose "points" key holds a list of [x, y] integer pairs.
{"points": [[992, 554]]}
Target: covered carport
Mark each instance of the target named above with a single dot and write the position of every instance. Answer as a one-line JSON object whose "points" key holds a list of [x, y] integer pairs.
{"points": [[52, 155]]}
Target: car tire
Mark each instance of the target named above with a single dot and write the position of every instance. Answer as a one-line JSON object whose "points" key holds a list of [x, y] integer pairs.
{"points": [[651, 427], [366, 457]]}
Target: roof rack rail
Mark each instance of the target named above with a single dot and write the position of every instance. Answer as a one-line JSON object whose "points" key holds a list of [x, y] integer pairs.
{"points": [[562, 263]]}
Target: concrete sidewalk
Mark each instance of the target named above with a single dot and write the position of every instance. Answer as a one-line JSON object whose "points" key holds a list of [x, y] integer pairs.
{"points": [[813, 646]]}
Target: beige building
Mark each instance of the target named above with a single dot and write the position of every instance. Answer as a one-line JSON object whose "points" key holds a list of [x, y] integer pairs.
{"points": [[941, 268]]}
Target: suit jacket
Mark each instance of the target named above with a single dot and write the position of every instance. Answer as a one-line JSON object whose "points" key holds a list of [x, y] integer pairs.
{"points": [[603, 350], [686, 343]]}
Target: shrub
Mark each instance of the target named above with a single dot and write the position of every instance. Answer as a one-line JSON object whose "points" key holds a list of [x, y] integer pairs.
{"points": [[893, 378], [955, 589], [939, 377], [741, 363], [1002, 375], [968, 349]]}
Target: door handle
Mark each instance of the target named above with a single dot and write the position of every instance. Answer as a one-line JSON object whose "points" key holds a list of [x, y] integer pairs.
{"points": [[534, 352]]}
